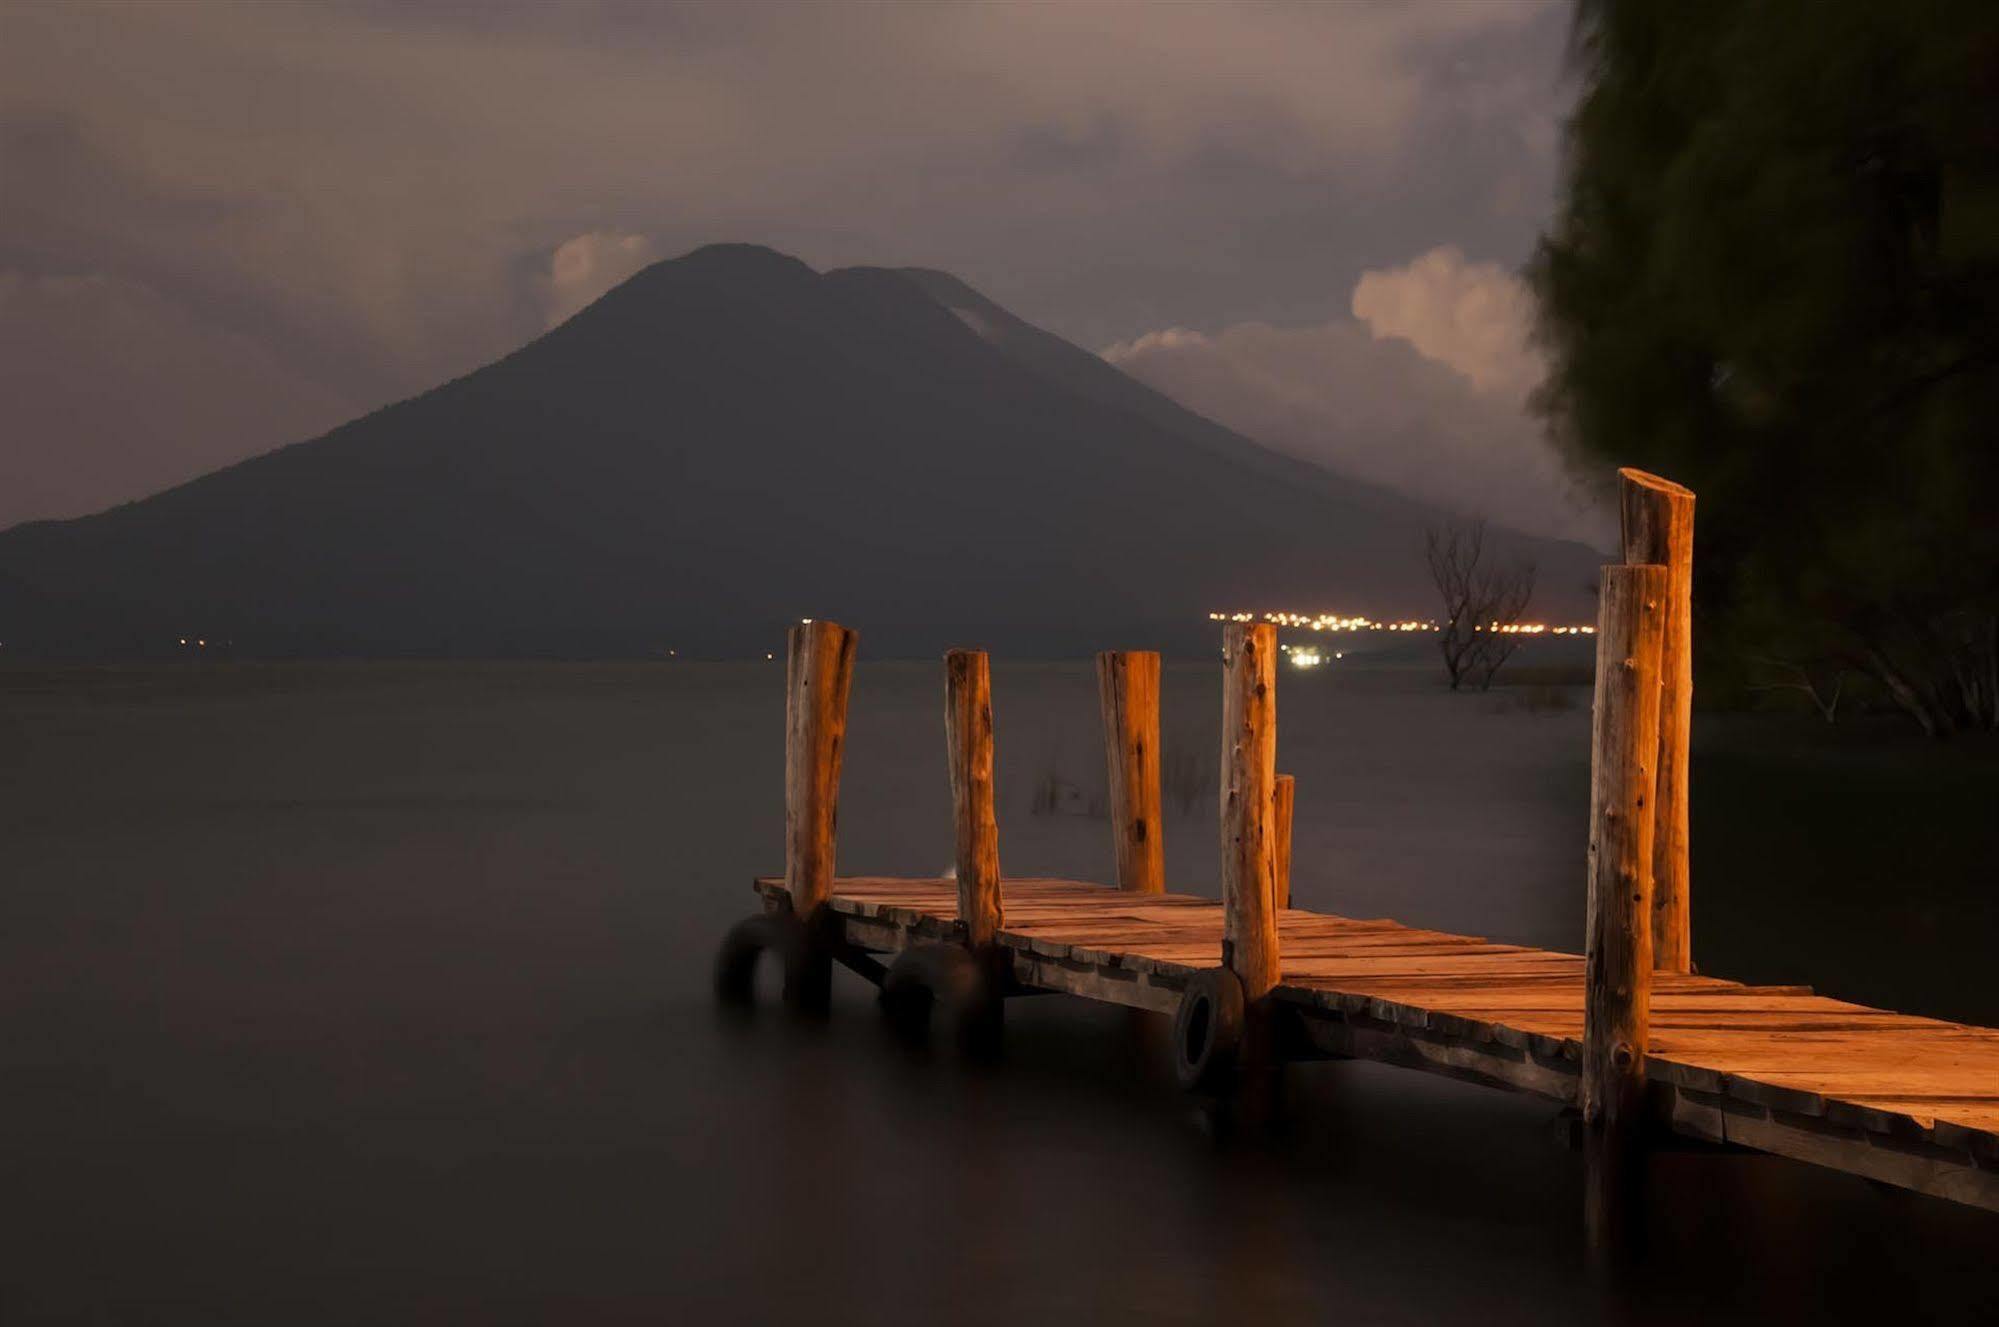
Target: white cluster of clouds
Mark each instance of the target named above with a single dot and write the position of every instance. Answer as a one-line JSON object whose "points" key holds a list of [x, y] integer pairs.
{"points": [[1422, 390], [1476, 318], [584, 267]]}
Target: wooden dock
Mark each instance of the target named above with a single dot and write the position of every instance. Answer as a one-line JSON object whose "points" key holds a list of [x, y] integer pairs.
{"points": [[1626, 1033], [1908, 1101]]}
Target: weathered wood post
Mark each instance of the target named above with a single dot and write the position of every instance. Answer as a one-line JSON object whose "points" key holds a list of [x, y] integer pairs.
{"points": [[1128, 695], [968, 736], [1631, 625], [962, 984], [1249, 804], [1287, 796], [818, 670], [1658, 526]]}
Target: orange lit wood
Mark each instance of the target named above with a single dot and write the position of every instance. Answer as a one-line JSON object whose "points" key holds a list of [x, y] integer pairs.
{"points": [[1617, 978], [1287, 798], [1128, 696], [818, 668], [1624, 748], [1658, 527], [1248, 803], [968, 738]]}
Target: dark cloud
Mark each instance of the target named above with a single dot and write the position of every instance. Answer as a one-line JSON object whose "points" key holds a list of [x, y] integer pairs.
{"points": [[1055, 149], [76, 206], [113, 391], [376, 194]]}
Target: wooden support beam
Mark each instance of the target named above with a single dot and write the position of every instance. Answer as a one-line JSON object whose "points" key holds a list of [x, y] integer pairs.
{"points": [[1617, 970], [1617, 996], [1249, 804], [968, 737], [1287, 796], [818, 670], [1658, 525], [1128, 695]]}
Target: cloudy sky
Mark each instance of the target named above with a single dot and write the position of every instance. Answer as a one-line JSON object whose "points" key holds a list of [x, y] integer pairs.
{"points": [[228, 226]]}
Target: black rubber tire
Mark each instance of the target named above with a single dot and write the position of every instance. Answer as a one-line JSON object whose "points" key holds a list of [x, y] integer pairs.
{"points": [[1208, 1031], [803, 961], [945, 985]]}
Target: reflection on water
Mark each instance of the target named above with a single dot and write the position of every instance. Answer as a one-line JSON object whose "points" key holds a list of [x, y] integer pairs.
{"points": [[379, 994]]}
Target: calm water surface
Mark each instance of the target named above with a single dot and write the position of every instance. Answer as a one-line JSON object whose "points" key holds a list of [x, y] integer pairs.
{"points": [[379, 994]]}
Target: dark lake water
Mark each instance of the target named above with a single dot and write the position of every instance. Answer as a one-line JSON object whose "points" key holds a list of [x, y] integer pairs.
{"points": [[378, 993]]}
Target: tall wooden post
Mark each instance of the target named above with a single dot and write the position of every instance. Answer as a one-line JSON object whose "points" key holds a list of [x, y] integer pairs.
{"points": [[968, 737], [1631, 626], [818, 669], [1658, 521], [1249, 804], [1287, 796], [1128, 695]]}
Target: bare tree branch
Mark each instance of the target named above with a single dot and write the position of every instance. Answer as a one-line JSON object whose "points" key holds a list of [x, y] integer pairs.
{"points": [[1824, 695], [1481, 600]]}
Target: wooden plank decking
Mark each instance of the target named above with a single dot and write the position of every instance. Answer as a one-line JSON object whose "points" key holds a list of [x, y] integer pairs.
{"points": [[1906, 1100]]}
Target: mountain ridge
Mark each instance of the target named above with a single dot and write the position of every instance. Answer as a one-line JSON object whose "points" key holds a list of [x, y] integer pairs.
{"points": [[724, 442]]}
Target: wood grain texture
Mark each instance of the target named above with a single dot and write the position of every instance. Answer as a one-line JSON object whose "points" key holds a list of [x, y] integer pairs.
{"points": [[1658, 529], [968, 739], [1287, 799], [1624, 749], [1128, 696], [818, 673], [1248, 803]]}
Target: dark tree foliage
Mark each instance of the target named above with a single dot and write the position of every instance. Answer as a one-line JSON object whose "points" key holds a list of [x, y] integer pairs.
{"points": [[1775, 278]]}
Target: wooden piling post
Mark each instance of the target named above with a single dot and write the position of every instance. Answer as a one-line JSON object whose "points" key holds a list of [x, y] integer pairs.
{"points": [[1631, 626], [968, 736], [1287, 796], [1128, 696], [1249, 804], [1658, 526], [818, 670]]}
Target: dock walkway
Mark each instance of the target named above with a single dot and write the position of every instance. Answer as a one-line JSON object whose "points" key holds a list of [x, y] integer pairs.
{"points": [[1905, 1100]]}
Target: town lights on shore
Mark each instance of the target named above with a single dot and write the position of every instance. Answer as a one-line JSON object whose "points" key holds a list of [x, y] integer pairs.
{"points": [[1336, 622]]}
